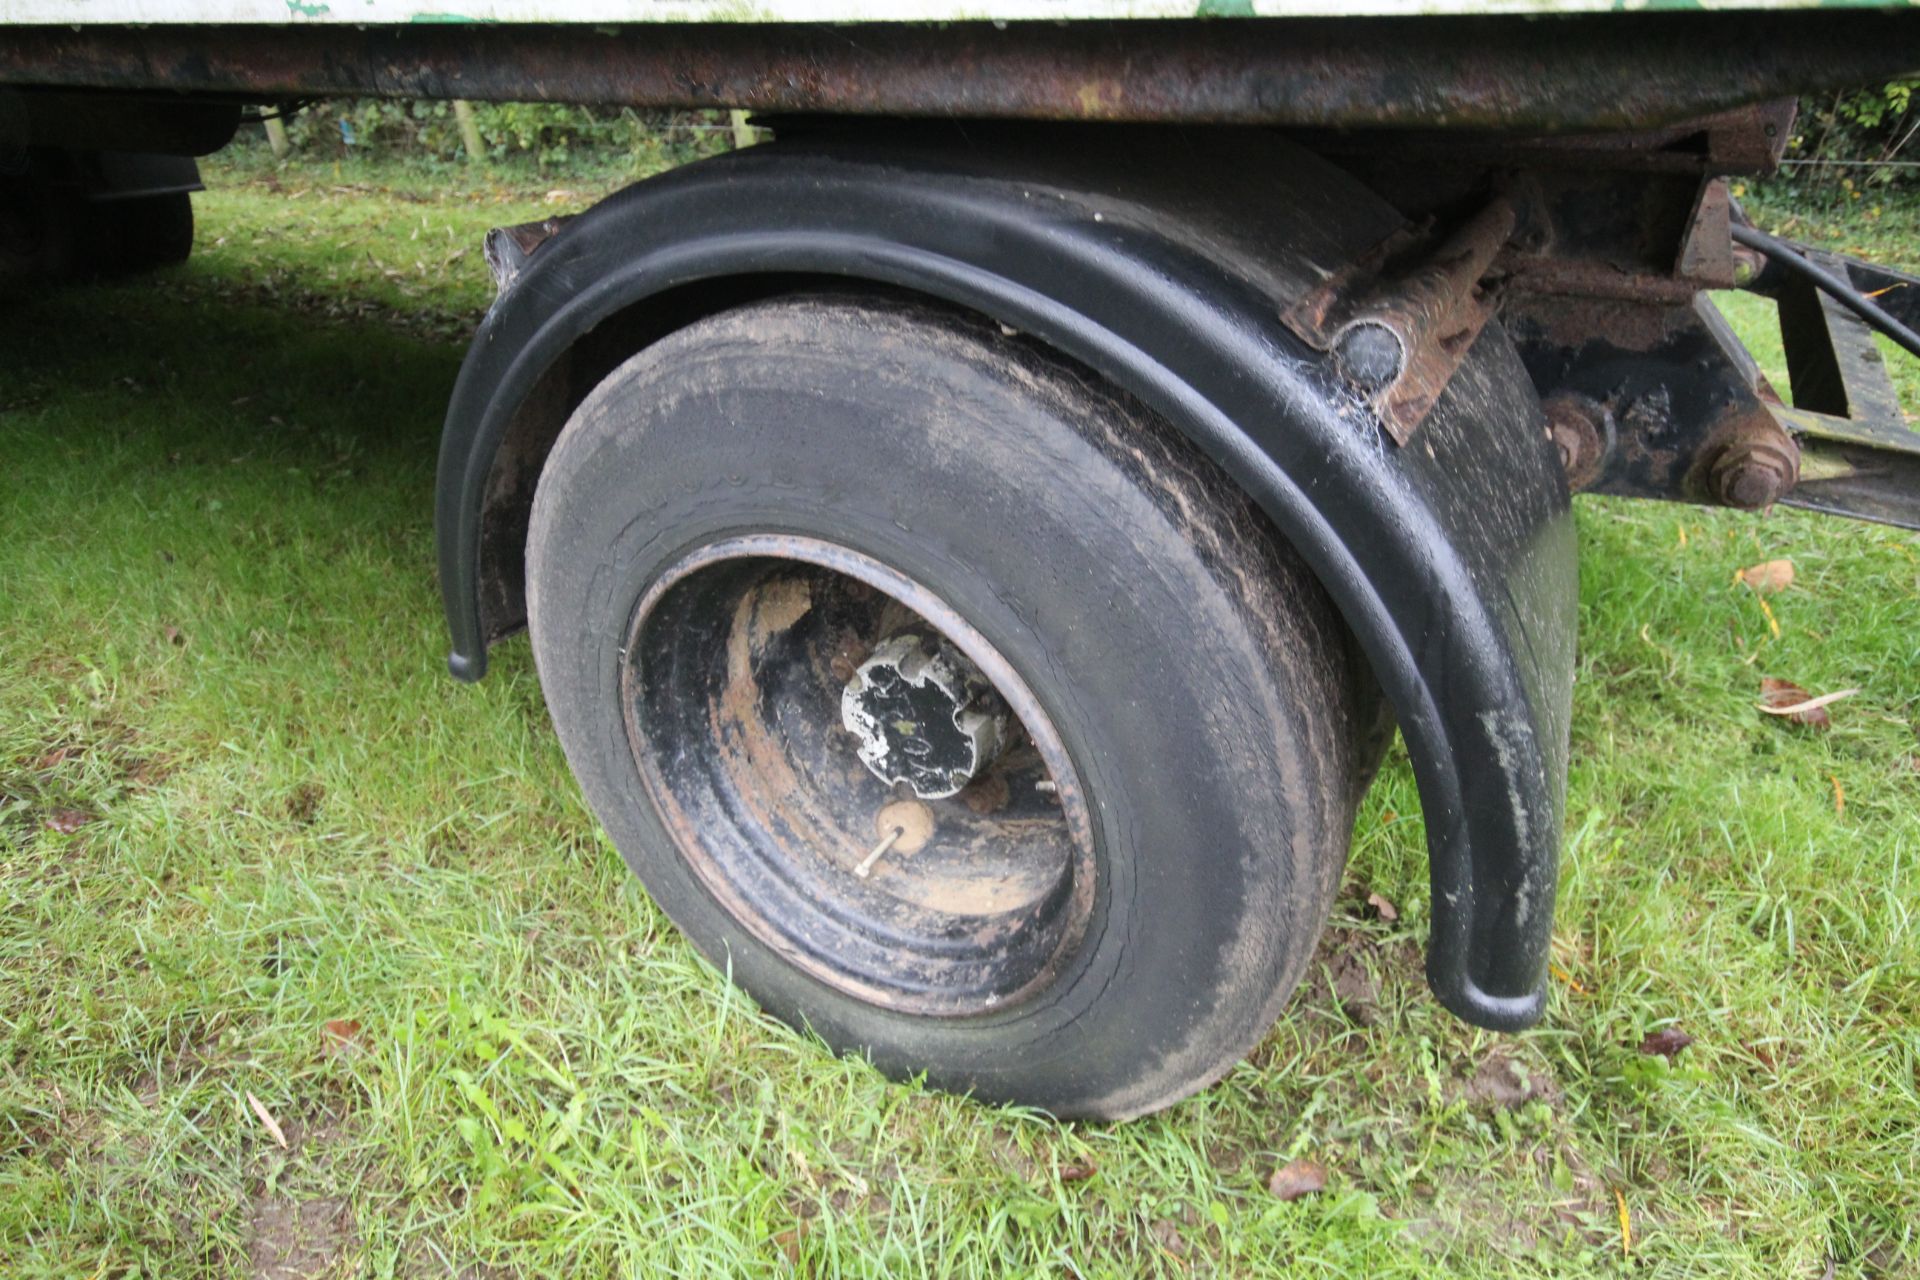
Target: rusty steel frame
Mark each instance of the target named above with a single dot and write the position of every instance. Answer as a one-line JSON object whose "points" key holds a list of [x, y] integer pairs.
{"points": [[1577, 72]]}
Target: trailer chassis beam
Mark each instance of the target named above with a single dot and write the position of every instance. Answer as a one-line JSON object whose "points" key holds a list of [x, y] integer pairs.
{"points": [[1574, 72]]}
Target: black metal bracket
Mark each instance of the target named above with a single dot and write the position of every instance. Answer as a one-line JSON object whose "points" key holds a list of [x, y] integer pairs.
{"points": [[1655, 399], [1858, 458], [1650, 394]]}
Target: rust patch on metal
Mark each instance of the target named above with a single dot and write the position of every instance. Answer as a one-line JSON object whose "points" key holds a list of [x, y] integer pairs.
{"points": [[1706, 254], [776, 607], [1593, 282], [1574, 318], [1746, 140]]}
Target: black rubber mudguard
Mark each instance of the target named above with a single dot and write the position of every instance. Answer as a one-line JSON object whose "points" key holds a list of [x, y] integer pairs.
{"points": [[130, 175], [1162, 260]]}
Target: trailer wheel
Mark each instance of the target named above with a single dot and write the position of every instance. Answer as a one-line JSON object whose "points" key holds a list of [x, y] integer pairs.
{"points": [[963, 710], [138, 233]]}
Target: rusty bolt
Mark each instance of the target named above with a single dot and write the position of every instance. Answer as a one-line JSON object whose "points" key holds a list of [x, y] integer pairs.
{"points": [[1580, 429], [1754, 474]]}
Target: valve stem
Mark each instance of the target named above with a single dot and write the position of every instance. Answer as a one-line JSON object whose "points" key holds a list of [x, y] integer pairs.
{"points": [[878, 852]]}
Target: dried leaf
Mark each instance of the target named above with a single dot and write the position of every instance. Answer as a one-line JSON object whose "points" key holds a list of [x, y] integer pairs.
{"points": [[1666, 1042], [1571, 981], [1379, 902], [67, 821], [1767, 577], [266, 1118], [1297, 1178], [343, 1036], [1788, 700], [1078, 1171], [788, 1242], [1355, 987], [1502, 1083], [1776, 693]]}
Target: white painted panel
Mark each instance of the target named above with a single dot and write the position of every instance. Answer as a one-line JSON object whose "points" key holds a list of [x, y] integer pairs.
{"points": [[390, 12]]}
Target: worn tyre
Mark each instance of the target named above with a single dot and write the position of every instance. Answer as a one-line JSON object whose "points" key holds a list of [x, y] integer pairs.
{"points": [[138, 233], [1112, 913]]}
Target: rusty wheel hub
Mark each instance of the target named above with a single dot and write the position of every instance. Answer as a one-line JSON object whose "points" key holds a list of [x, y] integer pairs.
{"points": [[857, 776]]}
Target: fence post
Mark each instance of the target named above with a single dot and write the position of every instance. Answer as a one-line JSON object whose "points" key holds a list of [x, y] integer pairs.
{"points": [[469, 131], [743, 133]]}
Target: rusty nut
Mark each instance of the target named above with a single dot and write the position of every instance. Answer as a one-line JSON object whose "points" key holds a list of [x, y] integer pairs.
{"points": [[1580, 428], [1753, 475]]}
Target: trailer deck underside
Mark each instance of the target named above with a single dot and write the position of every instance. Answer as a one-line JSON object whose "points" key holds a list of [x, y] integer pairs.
{"points": [[1581, 72]]}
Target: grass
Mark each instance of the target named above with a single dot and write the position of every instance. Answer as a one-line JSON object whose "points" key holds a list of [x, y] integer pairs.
{"points": [[254, 844]]}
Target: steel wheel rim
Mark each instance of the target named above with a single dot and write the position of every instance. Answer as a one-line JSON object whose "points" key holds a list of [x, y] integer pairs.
{"points": [[732, 661]]}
